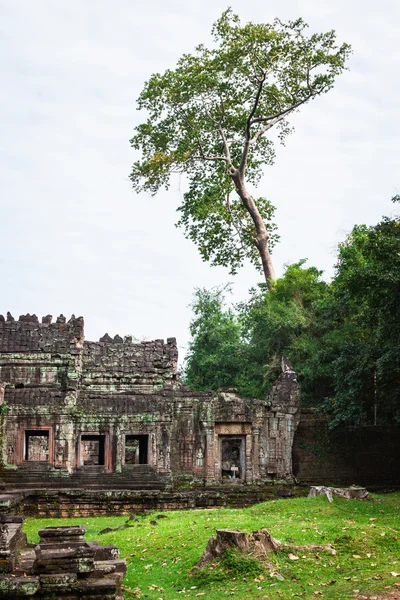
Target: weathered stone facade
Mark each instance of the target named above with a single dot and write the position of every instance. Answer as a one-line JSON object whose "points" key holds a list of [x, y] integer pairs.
{"points": [[113, 413]]}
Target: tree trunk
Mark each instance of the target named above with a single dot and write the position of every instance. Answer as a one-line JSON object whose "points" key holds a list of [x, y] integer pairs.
{"points": [[262, 235]]}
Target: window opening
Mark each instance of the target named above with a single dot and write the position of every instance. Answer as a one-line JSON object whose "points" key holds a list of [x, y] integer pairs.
{"points": [[37, 445]]}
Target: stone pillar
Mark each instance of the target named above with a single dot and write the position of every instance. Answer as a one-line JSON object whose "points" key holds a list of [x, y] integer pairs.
{"points": [[256, 453], [152, 449], [248, 459], [3, 421], [210, 458], [119, 440]]}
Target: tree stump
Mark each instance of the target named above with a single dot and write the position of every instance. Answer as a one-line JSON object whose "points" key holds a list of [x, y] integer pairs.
{"points": [[259, 543]]}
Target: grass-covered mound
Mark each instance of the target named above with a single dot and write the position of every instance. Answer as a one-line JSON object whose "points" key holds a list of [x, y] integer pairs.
{"points": [[162, 551]]}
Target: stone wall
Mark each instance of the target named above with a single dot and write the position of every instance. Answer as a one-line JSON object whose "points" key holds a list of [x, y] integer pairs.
{"points": [[122, 366], [28, 335], [72, 410], [348, 455], [69, 409]]}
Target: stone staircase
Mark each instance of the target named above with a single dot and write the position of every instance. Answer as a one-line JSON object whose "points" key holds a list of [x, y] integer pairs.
{"points": [[34, 475], [141, 477], [38, 476]]}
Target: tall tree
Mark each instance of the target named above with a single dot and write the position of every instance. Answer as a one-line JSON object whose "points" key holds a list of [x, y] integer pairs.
{"points": [[209, 119]]}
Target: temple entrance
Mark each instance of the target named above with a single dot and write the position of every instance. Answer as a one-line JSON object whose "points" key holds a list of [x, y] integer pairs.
{"points": [[232, 457], [136, 449], [92, 450], [36, 445]]}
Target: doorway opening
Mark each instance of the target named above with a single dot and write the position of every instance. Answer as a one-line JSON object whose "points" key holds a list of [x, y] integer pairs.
{"points": [[136, 449], [232, 453], [36, 445], [93, 450]]}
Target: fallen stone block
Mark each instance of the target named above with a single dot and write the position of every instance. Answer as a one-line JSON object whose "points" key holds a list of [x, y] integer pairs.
{"points": [[60, 535], [110, 552], [350, 493], [18, 587], [116, 569], [58, 582], [103, 588], [55, 558], [11, 540], [63, 564]]}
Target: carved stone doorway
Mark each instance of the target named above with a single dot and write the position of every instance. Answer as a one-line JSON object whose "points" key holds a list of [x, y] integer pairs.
{"points": [[232, 457], [136, 450]]}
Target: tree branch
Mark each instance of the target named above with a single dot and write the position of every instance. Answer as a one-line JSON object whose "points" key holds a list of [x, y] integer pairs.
{"points": [[225, 144], [207, 157], [243, 160], [238, 230], [284, 112], [261, 132], [215, 158]]}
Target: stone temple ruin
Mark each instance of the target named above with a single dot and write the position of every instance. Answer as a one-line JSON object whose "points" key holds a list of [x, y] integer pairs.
{"points": [[114, 413]]}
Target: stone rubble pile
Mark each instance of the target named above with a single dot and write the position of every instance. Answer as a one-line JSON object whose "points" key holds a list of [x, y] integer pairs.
{"points": [[63, 565]]}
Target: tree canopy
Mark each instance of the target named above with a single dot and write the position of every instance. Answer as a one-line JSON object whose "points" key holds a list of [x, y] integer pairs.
{"points": [[209, 119], [343, 338]]}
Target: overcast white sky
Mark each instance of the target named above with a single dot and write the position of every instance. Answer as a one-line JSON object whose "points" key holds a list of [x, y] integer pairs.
{"points": [[76, 239]]}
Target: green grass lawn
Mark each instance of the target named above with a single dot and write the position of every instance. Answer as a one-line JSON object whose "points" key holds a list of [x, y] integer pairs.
{"points": [[160, 557]]}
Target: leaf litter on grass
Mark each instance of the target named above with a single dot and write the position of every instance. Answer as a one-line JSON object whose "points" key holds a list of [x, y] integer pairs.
{"points": [[301, 519]]}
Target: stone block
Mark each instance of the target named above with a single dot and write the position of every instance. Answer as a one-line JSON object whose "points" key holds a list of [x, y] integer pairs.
{"points": [[105, 552], [60, 535], [56, 558], [18, 587], [102, 588], [57, 583]]}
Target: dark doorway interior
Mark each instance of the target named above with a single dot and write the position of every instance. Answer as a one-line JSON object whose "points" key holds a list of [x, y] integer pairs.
{"points": [[37, 445], [92, 450], [232, 457], [136, 449]]}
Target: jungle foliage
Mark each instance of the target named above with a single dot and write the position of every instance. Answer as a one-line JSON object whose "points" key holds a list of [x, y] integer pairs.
{"points": [[342, 337]]}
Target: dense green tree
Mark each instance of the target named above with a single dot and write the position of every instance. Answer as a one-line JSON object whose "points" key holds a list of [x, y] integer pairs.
{"points": [[214, 357], [362, 345], [209, 119], [343, 338], [273, 322], [250, 341]]}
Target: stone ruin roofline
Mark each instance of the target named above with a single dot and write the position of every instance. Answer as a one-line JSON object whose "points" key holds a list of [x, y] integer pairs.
{"points": [[61, 320], [47, 320]]}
